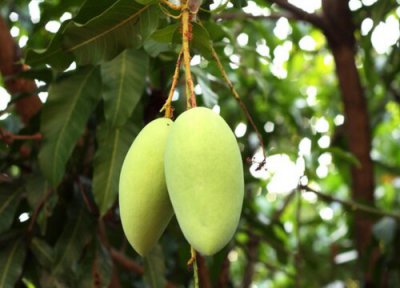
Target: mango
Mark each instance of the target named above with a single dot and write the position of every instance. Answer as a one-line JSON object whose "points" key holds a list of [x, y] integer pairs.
{"points": [[204, 175], [145, 208]]}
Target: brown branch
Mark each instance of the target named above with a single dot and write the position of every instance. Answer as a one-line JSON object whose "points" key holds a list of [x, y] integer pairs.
{"points": [[8, 137], [204, 278], [300, 14], [252, 253], [245, 16], [10, 57], [125, 262]]}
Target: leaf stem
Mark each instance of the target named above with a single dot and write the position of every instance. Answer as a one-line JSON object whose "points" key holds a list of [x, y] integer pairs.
{"points": [[193, 261], [167, 106]]}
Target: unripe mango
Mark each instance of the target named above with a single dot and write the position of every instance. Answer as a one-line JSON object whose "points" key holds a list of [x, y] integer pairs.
{"points": [[144, 203], [204, 175]]}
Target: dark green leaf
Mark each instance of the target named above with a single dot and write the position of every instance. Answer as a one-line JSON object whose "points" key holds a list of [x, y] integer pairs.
{"points": [[73, 239], [96, 267], [103, 37], [43, 252], [154, 48], [12, 258], [154, 268], [91, 9], [123, 83], [166, 34], [148, 21], [9, 199], [53, 54], [70, 103], [113, 144], [201, 41]]}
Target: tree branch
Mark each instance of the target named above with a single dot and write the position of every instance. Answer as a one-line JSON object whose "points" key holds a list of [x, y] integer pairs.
{"points": [[351, 205], [300, 14]]}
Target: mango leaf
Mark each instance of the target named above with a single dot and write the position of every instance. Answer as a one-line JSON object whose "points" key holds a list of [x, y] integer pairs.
{"points": [[166, 34], [12, 258], [43, 252], [201, 41], [69, 247], [148, 21], [154, 268], [88, 39], [90, 43], [91, 9], [53, 54], [154, 48], [70, 103], [113, 144], [96, 267], [210, 98], [123, 84], [9, 199]]}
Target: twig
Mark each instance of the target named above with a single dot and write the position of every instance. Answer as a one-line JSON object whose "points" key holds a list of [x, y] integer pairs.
{"points": [[351, 205], [125, 262], [8, 137], [38, 209], [238, 99], [245, 16], [167, 106]]}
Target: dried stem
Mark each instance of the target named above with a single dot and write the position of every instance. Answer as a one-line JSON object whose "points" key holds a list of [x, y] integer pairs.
{"points": [[167, 106], [238, 99], [193, 262]]}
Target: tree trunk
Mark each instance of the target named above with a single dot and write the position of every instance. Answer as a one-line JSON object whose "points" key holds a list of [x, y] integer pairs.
{"points": [[339, 31]]}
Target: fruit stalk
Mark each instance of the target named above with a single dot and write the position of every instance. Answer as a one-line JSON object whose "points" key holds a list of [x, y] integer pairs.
{"points": [[167, 106], [186, 37]]}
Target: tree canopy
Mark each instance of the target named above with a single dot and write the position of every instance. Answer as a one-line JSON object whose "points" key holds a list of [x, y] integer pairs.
{"points": [[312, 85]]}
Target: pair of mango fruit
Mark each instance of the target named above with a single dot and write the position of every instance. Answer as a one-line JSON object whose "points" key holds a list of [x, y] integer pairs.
{"points": [[191, 167]]}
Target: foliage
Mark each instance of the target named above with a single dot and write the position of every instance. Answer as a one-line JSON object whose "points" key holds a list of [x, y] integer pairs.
{"points": [[107, 72]]}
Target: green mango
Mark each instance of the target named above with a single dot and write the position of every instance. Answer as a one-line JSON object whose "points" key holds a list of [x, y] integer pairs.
{"points": [[204, 174], [144, 203]]}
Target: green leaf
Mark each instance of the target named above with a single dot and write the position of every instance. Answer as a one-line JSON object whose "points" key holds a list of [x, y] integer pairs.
{"points": [[113, 144], [90, 43], [201, 41], [9, 199], [70, 103], [123, 84], [43, 252], [69, 247], [53, 54], [210, 98], [154, 48], [96, 267], [154, 268], [91, 9], [166, 34], [12, 258], [148, 21]]}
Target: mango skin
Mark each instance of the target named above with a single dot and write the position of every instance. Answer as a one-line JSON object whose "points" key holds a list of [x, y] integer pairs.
{"points": [[204, 174], [144, 203]]}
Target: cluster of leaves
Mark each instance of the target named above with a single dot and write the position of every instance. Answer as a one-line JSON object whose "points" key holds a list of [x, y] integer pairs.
{"points": [[107, 72]]}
